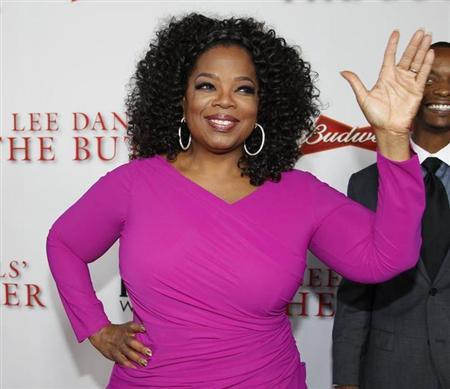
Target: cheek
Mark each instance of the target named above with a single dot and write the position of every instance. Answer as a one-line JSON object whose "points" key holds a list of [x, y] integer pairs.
{"points": [[250, 108], [196, 102]]}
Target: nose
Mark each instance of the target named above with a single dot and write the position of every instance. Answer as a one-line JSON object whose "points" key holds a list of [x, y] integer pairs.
{"points": [[224, 99], [442, 90]]}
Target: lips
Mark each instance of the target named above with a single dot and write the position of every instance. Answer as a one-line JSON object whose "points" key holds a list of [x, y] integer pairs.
{"points": [[222, 123], [439, 107]]}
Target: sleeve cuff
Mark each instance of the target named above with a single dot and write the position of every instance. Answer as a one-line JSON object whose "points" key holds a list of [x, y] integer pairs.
{"points": [[413, 159]]}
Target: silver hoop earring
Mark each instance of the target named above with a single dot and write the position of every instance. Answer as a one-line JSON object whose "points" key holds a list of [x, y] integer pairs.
{"points": [[183, 120], [262, 141]]}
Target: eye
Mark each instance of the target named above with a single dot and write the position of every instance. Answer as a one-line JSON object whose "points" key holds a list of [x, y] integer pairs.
{"points": [[247, 89], [204, 86]]}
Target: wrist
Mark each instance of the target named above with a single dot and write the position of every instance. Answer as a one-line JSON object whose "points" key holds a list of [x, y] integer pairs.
{"points": [[393, 145], [96, 335]]}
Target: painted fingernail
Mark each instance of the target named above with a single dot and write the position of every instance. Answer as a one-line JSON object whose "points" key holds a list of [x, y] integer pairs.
{"points": [[148, 352], [143, 362]]}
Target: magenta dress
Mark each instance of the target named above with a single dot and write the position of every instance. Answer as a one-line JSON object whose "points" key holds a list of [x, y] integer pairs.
{"points": [[210, 280]]}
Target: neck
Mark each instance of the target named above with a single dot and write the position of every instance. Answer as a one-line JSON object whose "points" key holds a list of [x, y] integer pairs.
{"points": [[430, 139], [205, 162]]}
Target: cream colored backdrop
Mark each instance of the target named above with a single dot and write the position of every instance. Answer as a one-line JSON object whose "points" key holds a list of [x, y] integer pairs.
{"points": [[64, 62]]}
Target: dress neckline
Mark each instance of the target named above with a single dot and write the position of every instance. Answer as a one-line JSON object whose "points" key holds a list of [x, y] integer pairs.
{"points": [[195, 186]]}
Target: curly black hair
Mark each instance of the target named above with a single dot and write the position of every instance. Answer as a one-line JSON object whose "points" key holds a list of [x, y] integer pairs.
{"points": [[288, 99]]}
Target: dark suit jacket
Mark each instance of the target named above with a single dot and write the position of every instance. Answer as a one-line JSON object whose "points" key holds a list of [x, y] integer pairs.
{"points": [[396, 334]]}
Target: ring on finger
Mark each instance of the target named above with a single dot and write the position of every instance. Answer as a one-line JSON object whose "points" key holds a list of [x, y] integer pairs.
{"points": [[413, 70]]}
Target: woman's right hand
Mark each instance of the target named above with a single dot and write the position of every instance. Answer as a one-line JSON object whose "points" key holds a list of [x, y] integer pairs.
{"points": [[117, 342]]}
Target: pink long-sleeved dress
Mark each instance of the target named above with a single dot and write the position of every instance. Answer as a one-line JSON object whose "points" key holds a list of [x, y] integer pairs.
{"points": [[210, 280]]}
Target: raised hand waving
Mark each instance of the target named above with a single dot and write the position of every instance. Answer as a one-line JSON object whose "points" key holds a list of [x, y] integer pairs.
{"points": [[392, 103]]}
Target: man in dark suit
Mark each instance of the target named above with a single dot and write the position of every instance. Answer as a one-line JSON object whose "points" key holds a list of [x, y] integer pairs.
{"points": [[396, 334]]}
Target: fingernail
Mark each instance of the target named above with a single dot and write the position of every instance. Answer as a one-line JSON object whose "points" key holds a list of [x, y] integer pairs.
{"points": [[143, 362], [142, 328], [148, 352]]}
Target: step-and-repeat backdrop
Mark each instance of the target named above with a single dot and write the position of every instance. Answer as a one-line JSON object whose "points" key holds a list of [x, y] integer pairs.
{"points": [[65, 66]]}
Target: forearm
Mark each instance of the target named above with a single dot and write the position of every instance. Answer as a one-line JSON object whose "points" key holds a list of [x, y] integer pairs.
{"points": [[372, 247], [71, 274]]}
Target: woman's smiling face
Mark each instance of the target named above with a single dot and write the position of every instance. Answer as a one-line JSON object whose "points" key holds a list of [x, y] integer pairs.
{"points": [[221, 100]]}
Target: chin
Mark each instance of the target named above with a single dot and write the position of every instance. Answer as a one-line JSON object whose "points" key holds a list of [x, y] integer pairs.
{"points": [[219, 147], [440, 130], [436, 123], [221, 144], [438, 126]]}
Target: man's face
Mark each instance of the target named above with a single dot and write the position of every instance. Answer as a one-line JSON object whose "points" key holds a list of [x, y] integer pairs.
{"points": [[434, 111]]}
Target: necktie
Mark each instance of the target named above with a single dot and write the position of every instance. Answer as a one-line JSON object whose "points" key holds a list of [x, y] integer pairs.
{"points": [[436, 219]]}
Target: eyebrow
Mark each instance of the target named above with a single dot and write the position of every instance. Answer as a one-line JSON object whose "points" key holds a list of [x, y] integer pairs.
{"points": [[212, 75]]}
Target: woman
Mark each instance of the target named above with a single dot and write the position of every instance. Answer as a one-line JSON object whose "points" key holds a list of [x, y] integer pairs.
{"points": [[213, 221]]}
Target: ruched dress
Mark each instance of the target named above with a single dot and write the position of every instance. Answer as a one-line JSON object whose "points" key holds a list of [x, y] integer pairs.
{"points": [[210, 280]]}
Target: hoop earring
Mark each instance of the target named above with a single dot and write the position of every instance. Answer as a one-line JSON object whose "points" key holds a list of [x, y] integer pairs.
{"points": [[183, 120], [262, 141]]}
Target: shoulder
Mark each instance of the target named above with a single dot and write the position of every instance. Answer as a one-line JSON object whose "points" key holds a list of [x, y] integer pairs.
{"points": [[123, 177], [296, 176], [296, 179], [309, 185], [303, 178], [129, 170], [319, 197]]}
